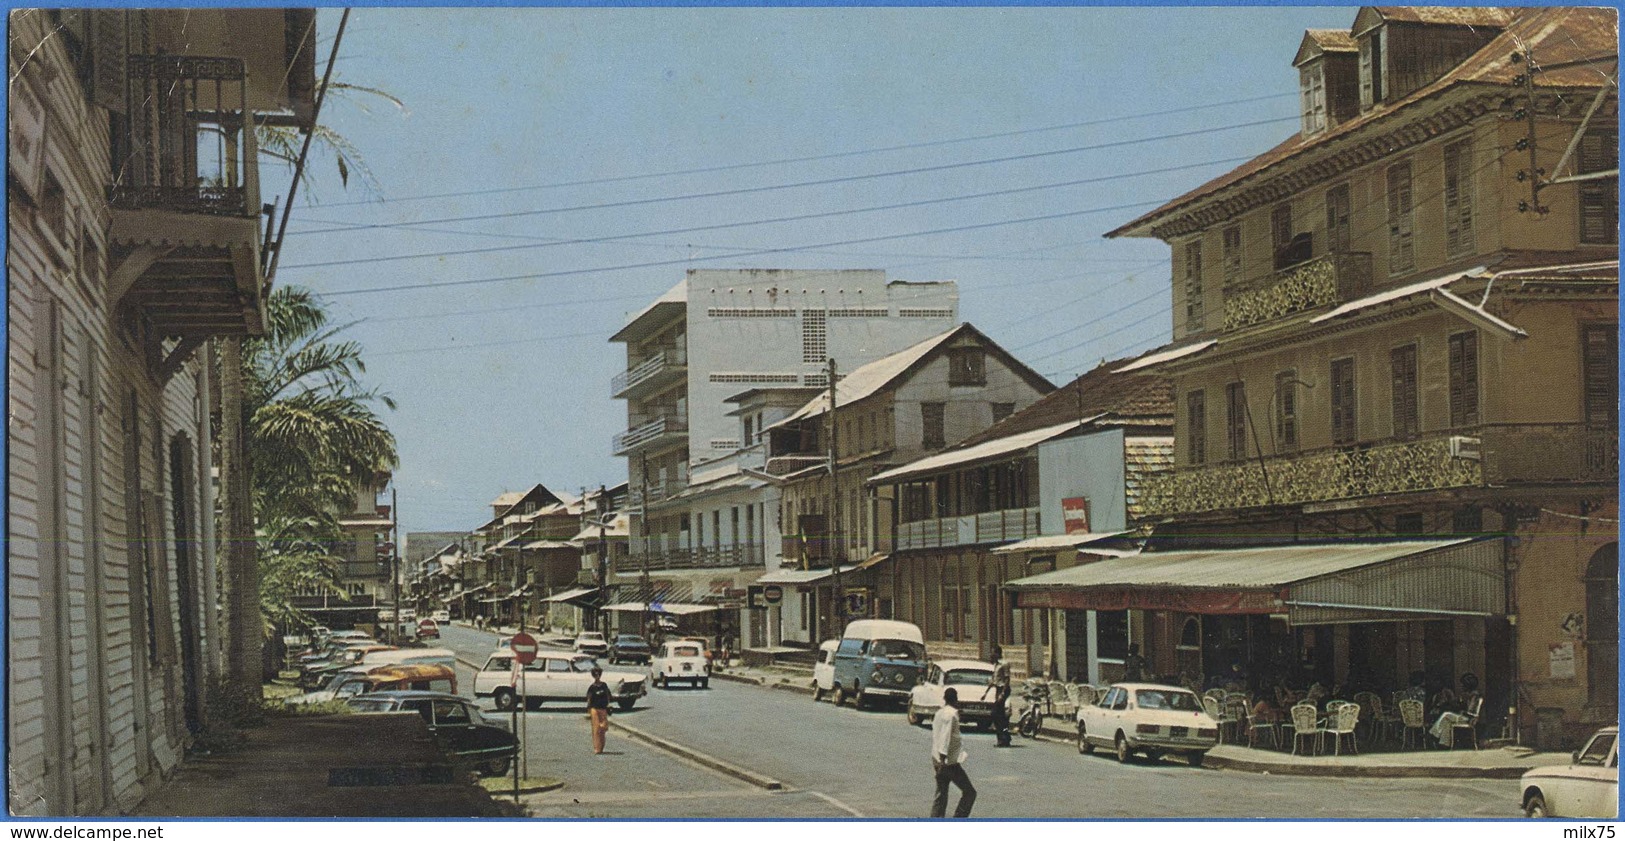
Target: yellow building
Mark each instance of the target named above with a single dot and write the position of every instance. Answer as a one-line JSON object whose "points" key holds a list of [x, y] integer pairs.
{"points": [[1398, 328]]}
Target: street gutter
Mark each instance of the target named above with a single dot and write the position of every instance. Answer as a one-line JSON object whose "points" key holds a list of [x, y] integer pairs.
{"points": [[705, 759]]}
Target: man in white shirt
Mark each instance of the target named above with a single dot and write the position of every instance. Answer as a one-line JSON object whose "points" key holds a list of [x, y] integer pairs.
{"points": [[948, 758]]}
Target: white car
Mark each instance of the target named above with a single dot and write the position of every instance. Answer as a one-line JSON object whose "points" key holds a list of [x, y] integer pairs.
{"points": [[824, 669], [554, 676], [682, 660], [442, 616], [1148, 718], [592, 642], [971, 679], [1588, 787]]}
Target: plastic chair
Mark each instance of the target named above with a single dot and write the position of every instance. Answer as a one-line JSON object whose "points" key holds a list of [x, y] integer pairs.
{"points": [[1087, 695], [1060, 698], [1410, 717], [1468, 722], [1305, 722], [1342, 722]]}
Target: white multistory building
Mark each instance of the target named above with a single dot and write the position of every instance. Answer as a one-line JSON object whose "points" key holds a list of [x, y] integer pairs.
{"points": [[709, 364]]}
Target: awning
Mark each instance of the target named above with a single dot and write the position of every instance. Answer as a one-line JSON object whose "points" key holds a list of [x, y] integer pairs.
{"points": [[580, 597], [673, 608], [1052, 542], [872, 560], [1396, 294], [552, 544], [799, 576], [1310, 583]]}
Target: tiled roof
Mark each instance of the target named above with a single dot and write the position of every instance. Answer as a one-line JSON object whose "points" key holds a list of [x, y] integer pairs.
{"points": [[1576, 37], [1496, 16], [1143, 456], [1332, 40]]}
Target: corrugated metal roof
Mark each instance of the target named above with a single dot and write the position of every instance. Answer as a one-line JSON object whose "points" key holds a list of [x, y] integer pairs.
{"points": [[1258, 567], [1491, 16], [1168, 355], [1055, 541], [1397, 293], [865, 380], [986, 450]]}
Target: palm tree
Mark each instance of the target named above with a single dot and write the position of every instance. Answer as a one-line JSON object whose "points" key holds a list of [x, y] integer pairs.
{"points": [[281, 143]]}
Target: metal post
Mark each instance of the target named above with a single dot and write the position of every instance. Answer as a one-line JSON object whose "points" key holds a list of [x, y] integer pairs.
{"points": [[395, 560], [836, 549]]}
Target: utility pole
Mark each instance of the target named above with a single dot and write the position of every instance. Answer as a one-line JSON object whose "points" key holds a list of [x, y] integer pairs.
{"points": [[395, 559], [836, 549], [643, 512]]}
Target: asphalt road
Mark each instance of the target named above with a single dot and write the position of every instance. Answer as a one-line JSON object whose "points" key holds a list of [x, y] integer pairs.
{"points": [[842, 762]]}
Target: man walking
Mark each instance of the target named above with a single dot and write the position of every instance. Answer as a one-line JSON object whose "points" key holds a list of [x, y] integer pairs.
{"points": [[1000, 687], [598, 698], [948, 758]]}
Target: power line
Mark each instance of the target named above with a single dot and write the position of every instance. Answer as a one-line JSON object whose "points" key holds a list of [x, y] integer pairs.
{"points": [[809, 158], [1155, 293], [844, 179], [551, 242]]}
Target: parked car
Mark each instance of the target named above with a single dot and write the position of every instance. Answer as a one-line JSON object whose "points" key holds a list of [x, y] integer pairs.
{"points": [[1147, 718], [682, 660], [629, 648], [319, 672], [592, 642], [361, 680], [878, 659], [428, 629], [972, 679], [1587, 787], [554, 676], [442, 616], [487, 743], [441, 656], [824, 669]]}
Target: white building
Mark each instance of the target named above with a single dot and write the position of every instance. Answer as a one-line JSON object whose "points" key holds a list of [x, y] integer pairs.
{"points": [[704, 363]]}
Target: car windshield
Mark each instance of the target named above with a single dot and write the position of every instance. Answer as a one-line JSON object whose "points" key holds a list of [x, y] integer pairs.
{"points": [[685, 651], [973, 677], [1167, 699], [350, 687], [364, 705], [897, 650], [582, 664], [1596, 753], [627, 639], [592, 637]]}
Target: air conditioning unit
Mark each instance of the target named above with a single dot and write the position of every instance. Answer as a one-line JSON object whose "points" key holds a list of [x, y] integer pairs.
{"points": [[1465, 446]]}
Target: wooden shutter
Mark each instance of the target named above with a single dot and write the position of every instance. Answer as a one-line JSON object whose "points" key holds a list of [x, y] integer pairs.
{"points": [[1235, 420], [1601, 372], [108, 49], [1464, 379], [1281, 234], [1402, 361], [1196, 437], [1286, 411], [1599, 200], [1193, 286], [1367, 72], [1401, 253], [1232, 257], [1337, 219], [1458, 198], [1343, 417]]}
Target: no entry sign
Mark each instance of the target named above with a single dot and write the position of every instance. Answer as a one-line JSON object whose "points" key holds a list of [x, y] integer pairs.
{"points": [[524, 648], [772, 593]]}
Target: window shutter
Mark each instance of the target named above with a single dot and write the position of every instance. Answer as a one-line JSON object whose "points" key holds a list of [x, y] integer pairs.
{"points": [[1601, 361], [1401, 257], [1599, 200], [1403, 364], [1337, 219], [1281, 233], [1236, 420], [1196, 414], [109, 49], [1193, 287], [1464, 379], [1343, 431], [1367, 97]]}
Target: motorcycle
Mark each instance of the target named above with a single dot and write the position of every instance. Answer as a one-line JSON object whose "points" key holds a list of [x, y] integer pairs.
{"points": [[1036, 694]]}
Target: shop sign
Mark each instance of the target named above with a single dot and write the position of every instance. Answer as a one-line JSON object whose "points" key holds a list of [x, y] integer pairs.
{"points": [[1560, 658], [1075, 514]]}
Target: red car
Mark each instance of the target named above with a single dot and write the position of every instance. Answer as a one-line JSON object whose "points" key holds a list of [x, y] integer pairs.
{"points": [[428, 629]]}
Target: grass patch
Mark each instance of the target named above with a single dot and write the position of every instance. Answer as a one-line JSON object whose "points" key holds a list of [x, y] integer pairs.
{"points": [[504, 785]]}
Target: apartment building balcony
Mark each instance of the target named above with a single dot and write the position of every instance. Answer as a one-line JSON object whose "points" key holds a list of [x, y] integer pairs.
{"points": [[1325, 280], [658, 371], [655, 492], [736, 555], [662, 430], [1496, 455], [969, 530], [185, 220]]}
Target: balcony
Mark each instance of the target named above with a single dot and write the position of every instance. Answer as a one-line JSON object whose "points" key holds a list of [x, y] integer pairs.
{"points": [[969, 530], [662, 369], [737, 555], [1330, 279], [1490, 456], [656, 491], [185, 219], [661, 431]]}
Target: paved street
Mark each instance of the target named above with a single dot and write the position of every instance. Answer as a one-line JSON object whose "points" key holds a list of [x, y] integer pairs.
{"points": [[843, 762]]}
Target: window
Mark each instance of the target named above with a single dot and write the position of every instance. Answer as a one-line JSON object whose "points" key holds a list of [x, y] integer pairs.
{"points": [[1602, 627], [1235, 421], [1342, 385], [966, 366], [1002, 411], [1286, 411], [1464, 379], [1281, 235], [1402, 362], [1196, 427], [1337, 219], [1370, 70], [931, 426], [450, 713], [1599, 200], [1312, 87], [814, 336], [1601, 374], [1232, 256], [1193, 286], [1401, 245], [1458, 198]]}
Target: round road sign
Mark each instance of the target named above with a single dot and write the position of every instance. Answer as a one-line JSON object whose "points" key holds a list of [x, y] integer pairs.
{"points": [[772, 593], [524, 648]]}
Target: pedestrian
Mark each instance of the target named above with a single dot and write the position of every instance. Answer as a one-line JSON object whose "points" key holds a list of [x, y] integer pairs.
{"points": [[1134, 664], [1000, 687], [598, 698], [948, 758]]}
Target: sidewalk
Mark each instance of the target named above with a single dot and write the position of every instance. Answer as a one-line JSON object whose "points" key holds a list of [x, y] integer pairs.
{"points": [[338, 766], [1495, 763]]}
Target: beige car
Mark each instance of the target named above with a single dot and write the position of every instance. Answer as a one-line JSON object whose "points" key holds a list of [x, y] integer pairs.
{"points": [[1588, 787]]}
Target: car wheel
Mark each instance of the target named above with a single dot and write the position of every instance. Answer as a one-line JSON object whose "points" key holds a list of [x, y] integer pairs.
{"points": [[1084, 745], [914, 718], [655, 680], [858, 701], [626, 705], [497, 767], [1195, 758], [1535, 806], [705, 683], [818, 692], [505, 699], [1123, 751], [839, 698]]}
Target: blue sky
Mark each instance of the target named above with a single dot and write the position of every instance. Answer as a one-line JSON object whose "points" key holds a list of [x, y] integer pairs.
{"points": [[595, 140]]}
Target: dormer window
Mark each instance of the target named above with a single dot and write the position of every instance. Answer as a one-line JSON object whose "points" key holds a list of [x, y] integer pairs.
{"points": [[1370, 69], [1312, 91]]}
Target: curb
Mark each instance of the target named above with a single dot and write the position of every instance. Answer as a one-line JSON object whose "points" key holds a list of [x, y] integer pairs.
{"points": [[715, 764], [555, 785]]}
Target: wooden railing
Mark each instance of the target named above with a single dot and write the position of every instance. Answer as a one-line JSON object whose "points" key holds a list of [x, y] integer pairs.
{"points": [[971, 529]]}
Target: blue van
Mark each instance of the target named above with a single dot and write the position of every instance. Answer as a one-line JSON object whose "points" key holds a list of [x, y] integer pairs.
{"points": [[878, 658]]}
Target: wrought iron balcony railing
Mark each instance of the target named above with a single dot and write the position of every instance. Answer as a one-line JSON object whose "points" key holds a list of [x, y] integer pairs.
{"points": [[1325, 280], [1491, 455], [184, 143]]}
